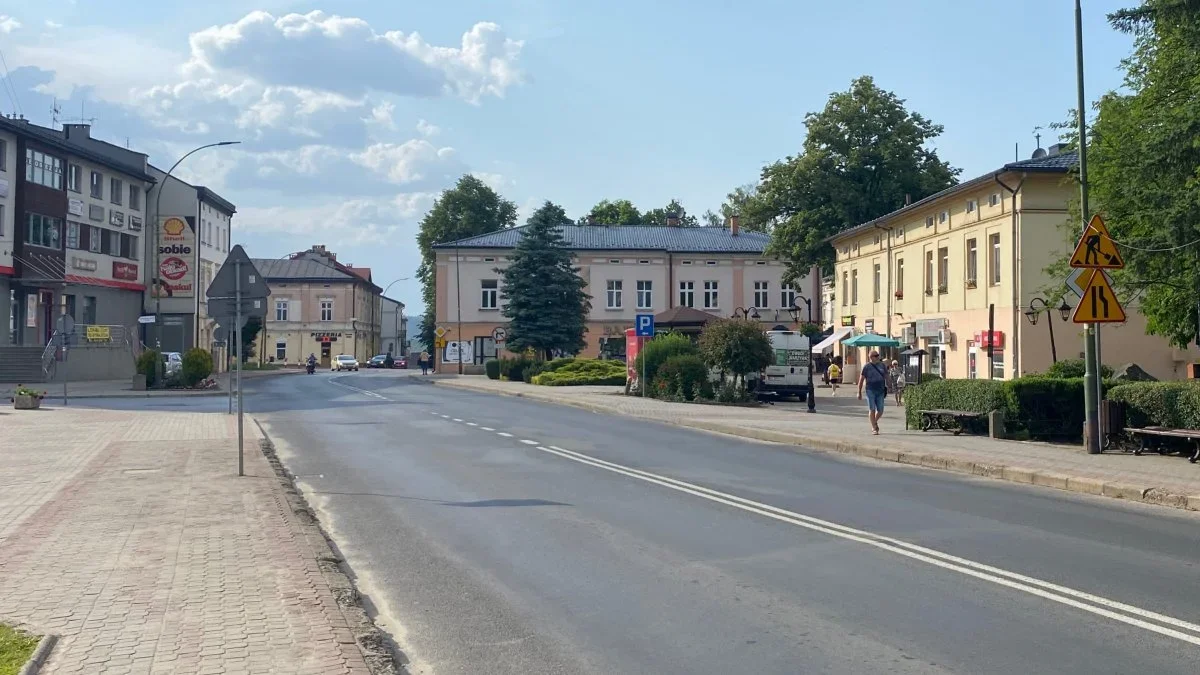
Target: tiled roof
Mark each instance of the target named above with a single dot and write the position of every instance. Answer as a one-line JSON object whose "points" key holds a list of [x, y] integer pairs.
{"points": [[632, 238], [300, 268]]}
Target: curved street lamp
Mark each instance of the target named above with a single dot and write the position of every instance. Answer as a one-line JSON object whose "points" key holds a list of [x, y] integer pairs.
{"points": [[743, 313], [401, 332], [794, 310], [1064, 312]]}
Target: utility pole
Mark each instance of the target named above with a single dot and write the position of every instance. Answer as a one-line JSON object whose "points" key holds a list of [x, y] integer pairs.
{"points": [[1091, 379]]}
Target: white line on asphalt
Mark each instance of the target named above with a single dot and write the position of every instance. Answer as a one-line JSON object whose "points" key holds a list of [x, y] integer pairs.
{"points": [[528, 442], [445, 417], [1043, 589], [364, 392], [501, 433], [487, 428], [457, 420], [472, 424]]}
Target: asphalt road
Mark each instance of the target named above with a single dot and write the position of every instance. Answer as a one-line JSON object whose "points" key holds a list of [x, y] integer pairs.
{"points": [[502, 535]]}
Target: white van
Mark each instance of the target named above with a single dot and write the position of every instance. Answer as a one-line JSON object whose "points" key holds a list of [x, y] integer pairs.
{"points": [[788, 375]]}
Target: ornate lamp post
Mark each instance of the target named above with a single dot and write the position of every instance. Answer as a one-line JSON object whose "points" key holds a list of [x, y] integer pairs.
{"points": [[1064, 312]]}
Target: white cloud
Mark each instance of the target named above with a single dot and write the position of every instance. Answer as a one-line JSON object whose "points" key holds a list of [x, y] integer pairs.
{"points": [[496, 181], [347, 222], [53, 25], [407, 162], [381, 115], [427, 129], [8, 24], [112, 74]]}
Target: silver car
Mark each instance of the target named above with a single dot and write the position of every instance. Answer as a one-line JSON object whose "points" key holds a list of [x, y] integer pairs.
{"points": [[345, 362], [172, 363]]}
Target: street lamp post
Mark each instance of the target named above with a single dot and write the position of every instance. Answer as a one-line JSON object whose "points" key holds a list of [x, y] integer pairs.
{"points": [[1064, 312], [401, 335], [794, 310], [743, 313], [154, 280]]}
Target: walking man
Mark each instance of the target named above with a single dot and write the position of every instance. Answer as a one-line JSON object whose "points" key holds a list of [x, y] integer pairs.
{"points": [[873, 379]]}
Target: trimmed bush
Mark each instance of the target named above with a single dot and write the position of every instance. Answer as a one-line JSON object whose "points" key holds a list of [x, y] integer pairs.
{"points": [[492, 369], [576, 372], [147, 362], [656, 351], [560, 362], [684, 375], [1048, 408], [981, 396], [514, 369], [1159, 404], [1072, 368], [197, 365]]}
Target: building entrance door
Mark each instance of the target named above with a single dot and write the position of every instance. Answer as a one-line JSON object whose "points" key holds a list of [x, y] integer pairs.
{"points": [[326, 351]]}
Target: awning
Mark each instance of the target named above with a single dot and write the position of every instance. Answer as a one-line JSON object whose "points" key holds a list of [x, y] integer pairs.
{"points": [[872, 340], [836, 337]]}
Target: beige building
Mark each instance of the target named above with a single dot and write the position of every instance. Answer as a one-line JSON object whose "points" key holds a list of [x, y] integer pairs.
{"points": [[629, 270], [318, 306], [929, 275]]}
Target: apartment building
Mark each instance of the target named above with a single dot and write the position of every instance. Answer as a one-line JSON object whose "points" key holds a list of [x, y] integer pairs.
{"points": [[193, 240], [71, 230], [393, 327], [318, 306], [959, 271], [629, 270]]}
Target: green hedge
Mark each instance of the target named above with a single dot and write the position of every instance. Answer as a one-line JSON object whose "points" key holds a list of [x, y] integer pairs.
{"points": [[1072, 368], [980, 396], [514, 369], [685, 376], [576, 372], [1159, 404], [197, 365], [492, 369], [147, 363], [656, 352]]}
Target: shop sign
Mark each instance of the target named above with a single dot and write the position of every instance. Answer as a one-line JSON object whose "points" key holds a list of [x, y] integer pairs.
{"points": [[75, 207], [31, 310], [993, 339], [116, 218], [83, 264], [125, 271], [175, 254], [135, 223], [929, 328], [95, 212], [869, 325], [848, 320], [99, 334], [325, 337]]}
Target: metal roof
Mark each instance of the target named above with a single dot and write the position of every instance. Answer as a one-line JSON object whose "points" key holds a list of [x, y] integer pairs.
{"points": [[631, 238], [91, 151], [300, 268]]}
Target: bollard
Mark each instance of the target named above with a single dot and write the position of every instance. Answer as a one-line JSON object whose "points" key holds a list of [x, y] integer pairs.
{"points": [[996, 424]]}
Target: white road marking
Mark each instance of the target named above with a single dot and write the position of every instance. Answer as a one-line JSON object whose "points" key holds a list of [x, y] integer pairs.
{"points": [[364, 392], [445, 417], [528, 442], [487, 428], [1061, 594], [472, 424], [501, 433], [457, 420]]}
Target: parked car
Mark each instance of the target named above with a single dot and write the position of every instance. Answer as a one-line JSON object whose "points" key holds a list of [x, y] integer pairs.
{"points": [[172, 363], [345, 362], [378, 361], [400, 362]]}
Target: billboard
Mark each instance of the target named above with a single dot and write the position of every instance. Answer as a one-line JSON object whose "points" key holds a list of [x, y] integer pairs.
{"points": [[176, 258]]}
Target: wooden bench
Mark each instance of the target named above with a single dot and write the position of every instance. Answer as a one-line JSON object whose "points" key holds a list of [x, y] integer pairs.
{"points": [[1158, 438], [954, 421]]}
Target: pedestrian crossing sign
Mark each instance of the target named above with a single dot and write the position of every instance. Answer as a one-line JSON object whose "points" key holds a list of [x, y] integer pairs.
{"points": [[1099, 303], [1096, 248]]}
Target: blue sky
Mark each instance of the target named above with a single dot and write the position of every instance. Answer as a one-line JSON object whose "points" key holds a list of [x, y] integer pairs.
{"points": [[355, 114]]}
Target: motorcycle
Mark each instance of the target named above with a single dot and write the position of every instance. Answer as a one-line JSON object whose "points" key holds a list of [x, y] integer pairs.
{"points": [[310, 367]]}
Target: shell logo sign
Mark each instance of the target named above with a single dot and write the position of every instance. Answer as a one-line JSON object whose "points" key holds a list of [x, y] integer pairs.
{"points": [[176, 258]]}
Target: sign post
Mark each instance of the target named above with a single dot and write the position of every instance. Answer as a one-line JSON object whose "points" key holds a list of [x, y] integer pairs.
{"points": [[643, 328], [66, 327], [238, 287]]}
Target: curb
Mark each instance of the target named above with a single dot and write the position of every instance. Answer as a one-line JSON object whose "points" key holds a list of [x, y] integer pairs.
{"points": [[380, 654], [39, 656], [1014, 474]]}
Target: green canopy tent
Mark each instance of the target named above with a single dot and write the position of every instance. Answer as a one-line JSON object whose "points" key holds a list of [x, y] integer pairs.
{"points": [[870, 340]]}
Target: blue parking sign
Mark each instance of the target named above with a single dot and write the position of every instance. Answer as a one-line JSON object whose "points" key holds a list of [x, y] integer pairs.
{"points": [[644, 325]]}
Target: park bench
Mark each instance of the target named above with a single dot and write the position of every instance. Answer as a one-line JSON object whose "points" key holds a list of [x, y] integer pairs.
{"points": [[954, 421], [1167, 441]]}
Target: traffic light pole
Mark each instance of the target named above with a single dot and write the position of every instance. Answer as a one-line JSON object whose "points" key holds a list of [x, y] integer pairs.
{"points": [[1091, 379]]}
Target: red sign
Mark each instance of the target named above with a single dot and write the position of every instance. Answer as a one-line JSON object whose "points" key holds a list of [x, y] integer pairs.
{"points": [[173, 268], [125, 271], [993, 339]]}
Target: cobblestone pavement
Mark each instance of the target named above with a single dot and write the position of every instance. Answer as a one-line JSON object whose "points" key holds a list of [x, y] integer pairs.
{"points": [[130, 535], [1115, 474]]}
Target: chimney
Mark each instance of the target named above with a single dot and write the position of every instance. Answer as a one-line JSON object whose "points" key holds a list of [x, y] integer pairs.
{"points": [[591, 219], [77, 132], [733, 225], [672, 220]]}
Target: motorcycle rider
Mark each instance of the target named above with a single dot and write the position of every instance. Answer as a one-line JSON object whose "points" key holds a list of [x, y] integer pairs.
{"points": [[312, 361]]}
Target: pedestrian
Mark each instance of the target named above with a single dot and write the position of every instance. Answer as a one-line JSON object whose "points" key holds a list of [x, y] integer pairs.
{"points": [[896, 380], [873, 379], [834, 375], [423, 361]]}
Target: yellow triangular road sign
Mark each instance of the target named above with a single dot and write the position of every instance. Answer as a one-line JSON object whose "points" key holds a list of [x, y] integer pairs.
{"points": [[1096, 249], [1099, 303]]}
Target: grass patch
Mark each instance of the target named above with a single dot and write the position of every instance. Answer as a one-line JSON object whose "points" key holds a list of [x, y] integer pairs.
{"points": [[15, 649]]}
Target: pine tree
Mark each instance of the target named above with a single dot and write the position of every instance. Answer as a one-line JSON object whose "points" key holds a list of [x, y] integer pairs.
{"points": [[543, 293]]}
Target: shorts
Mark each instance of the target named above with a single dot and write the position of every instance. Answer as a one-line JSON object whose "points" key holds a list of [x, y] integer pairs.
{"points": [[875, 399]]}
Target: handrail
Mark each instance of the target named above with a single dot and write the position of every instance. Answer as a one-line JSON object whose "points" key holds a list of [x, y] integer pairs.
{"points": [[49, 355]]}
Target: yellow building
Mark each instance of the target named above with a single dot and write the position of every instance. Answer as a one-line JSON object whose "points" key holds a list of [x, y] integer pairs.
{"points": [[931, 274]]}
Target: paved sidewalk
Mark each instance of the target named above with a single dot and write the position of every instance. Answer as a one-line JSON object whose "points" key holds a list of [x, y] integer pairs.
{"points": [[129, 534], [1171, 481], [124, 388]]}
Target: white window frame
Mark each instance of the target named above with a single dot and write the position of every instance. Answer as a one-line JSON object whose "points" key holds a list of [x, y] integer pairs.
{"points": [[877, 281], [326, 311], [972, 206], [281, 310], [994, 260], [687, 294], [645, 294], [96, 187], [615, 292], [994, 199], [762, 294], [972, 262], [73, 171], [787, 296], [116, 189], [281, 350], [712, 297], [489, 294], [854, 287]]}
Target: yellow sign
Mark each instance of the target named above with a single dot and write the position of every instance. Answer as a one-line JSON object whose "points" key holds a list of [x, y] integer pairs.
{"points": [[439, 331], [1099, 303], [440, 343], [1096, 249], [99, 333]]}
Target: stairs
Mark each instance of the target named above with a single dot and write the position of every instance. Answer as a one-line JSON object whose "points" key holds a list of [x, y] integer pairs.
{"points": [[21, 364]]}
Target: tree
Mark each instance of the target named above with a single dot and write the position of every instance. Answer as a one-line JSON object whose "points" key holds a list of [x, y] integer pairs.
{"points": [[710, 219], [549, 213], [544, 296], [250, 331], [865, 153], [619, 212], [1143, 161], [659, 216], [743, 202], [468, 209], [735, 346]]}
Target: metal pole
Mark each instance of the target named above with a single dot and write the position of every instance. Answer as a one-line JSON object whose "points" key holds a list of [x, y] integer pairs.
{"points": [[66, 370], [237, 322], [1091, 381], [1050, 322], [458, 300], [228, 372], [991, 333]]}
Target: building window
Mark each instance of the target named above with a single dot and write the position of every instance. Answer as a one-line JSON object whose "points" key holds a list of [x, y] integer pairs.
{"points": [[972, 262], [327, 310], [645, 294], [928, 272], [710, 295], [995, 271], [994, 199], [111, 243], [281, 310], [854, 287], [761, 296], [929, 221], [43, 169], [135, 197], [89, 309], [845, 288], [899, 277], [972, 205], [3, 156], [489, 292], [998, 363], [787, 297], [115, 190], [42, 231], [687, 294], [615, 291], [70, 305], [877, 282], [95, 235], [943, 217], [129, 246], [280, 350], [943, 270], [97, 185], [73, 172]]}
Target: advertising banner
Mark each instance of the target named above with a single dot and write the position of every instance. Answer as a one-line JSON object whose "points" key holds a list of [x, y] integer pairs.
{"points": [[176, 258]]}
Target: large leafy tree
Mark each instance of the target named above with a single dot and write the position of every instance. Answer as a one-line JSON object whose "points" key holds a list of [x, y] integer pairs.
{"points": [[614, 212], [1144, 168], [659, 216], [543, 293], [469, 208], [865, 153], [735, 346]]}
